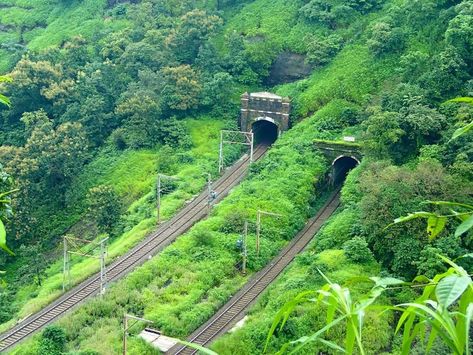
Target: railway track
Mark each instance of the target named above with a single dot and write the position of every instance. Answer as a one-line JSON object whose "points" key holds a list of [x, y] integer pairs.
{"points": [[155, 242], [235, 309]]}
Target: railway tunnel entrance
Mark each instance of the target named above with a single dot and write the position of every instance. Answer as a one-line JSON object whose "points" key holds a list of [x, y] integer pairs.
{"points": [[341, 166], [265, 131]]}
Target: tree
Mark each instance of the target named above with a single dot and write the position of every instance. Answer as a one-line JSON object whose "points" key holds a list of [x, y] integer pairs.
{"points": [[385, 38], [320, 51], [193, 29], [405, 131], [104, 207], [140, 111], [365, 6], [35, 263], [460, 32], [5, 207], [318, 11], [236, 60], [356, 250], [448, 74], [37, 84], [181, 88], [3, 99], [390, 192]]}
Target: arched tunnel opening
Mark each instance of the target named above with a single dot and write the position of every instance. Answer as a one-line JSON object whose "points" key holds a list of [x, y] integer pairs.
{"points": [[265, 132], [341, 167]]}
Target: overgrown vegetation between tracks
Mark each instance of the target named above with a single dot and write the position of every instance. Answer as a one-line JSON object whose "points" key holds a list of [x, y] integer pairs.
{"points": [[133, 177], [184, 285]]}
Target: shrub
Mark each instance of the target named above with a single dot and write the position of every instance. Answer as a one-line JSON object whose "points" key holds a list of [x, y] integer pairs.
{"points": [[117, 138], [357, 250], [53, 341], [318, 11], [337, 231], [203, 238]]}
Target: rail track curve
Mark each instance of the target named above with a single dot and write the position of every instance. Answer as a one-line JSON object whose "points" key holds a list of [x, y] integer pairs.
{"points": [[167, 233], [236, 308]]}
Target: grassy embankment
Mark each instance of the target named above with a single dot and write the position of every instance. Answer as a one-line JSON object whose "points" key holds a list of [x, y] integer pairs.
{"points": [[133, 175]]}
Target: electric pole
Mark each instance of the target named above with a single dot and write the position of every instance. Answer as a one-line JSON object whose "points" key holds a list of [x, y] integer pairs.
{"points": [[87, 248], [259, 214], [66, 276], [234, 137], [245, 250], [159, 191], [126, 317]]}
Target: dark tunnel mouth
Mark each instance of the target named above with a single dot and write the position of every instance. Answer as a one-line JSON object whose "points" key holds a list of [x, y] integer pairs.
{"points": [[342, 166], [265, 132]]}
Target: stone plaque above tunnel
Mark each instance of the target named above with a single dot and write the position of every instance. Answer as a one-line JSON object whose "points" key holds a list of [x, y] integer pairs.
{"points": [[264, 108]]}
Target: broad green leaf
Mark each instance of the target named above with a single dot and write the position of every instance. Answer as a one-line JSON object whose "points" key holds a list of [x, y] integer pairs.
{"points": [[350, 338], [316, 336], [432, 337], [460, 216], [414, 215], [3, 239], [422, 279], [386, 281], [284, 313], [435, 224], [450, 289], [447, 203], [411, 216], [462, 130], [468, 317], [465, 226], [469, 255], [3, 194]]}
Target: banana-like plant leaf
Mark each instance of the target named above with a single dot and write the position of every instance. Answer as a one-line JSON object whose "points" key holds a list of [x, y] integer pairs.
{"points": [[462, 100], [5, 79], [411, 216], [3, 239], [468, 317], [450, 289], [465, 226], [435, 225], [4, 100], [386, 281], [3, 194], [447, 203], [462, 130]]}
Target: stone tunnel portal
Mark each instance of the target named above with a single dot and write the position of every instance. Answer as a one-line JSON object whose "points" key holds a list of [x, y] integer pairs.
{"points": [[265, 130], [341, 166]]}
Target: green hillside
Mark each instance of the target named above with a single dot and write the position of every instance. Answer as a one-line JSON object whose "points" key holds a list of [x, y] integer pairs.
{"points": [[104, 95]]}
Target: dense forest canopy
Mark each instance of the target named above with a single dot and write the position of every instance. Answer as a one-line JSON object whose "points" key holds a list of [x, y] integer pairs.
{"points": [[98, 96]]}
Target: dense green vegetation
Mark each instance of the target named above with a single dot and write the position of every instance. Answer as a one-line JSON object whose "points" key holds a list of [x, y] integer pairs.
{"points": [[106, 94]]}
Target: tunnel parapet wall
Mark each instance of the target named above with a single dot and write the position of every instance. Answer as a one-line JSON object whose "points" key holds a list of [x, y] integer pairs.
{"points": [[264, 106], [336, 149]]}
